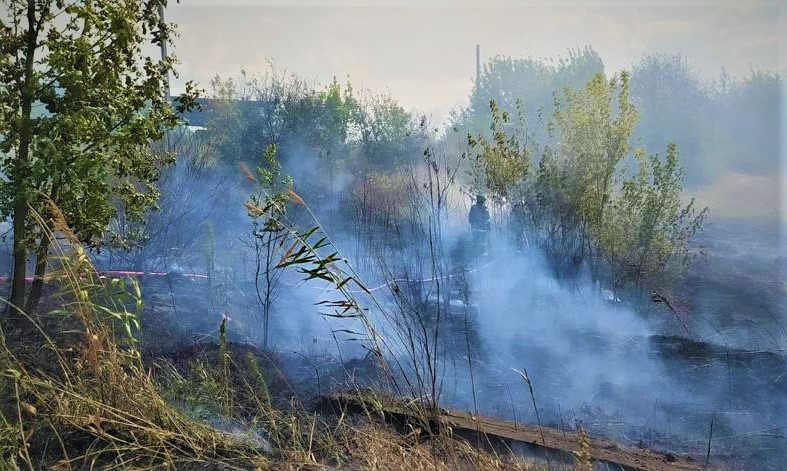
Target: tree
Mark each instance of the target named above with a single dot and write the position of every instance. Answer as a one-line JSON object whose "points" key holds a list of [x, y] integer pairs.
{"points": [[269, 232], [81, 104], [581, 202], [528, 80], [502, 164], [675, 107], [313, 128], [387, 133], [337, 115], [590, 128], [646, 232]]}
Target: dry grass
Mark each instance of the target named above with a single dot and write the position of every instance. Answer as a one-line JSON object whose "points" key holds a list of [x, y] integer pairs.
{"points": [[583, 456], [81, 394], [75, 394], [374, 447]]}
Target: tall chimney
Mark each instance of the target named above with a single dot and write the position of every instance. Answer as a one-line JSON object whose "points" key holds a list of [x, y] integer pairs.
{"points": [[477, 64]]}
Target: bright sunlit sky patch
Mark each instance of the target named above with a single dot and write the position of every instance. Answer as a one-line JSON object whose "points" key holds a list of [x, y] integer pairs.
{"points": [[423, 52]]}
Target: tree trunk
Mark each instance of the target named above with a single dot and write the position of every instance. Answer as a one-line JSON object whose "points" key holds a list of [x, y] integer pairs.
{"points": [[17, 295], [38, 282], [21, 211]]}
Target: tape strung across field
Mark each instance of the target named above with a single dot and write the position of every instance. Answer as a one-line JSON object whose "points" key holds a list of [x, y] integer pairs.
{"points": [[29, 279]]}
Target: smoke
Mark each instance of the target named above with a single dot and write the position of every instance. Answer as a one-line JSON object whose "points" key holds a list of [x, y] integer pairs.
{"points": [[596, 362], [593, 361], [632, 373]]}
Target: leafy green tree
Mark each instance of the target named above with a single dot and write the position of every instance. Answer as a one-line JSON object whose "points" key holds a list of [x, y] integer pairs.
{"points": [[335, 113], [721, 125], [319, 132], [646, 233], [387, 133], [573, 186], [81, 103], [592, 128], [337, 116], [249, 113], [501, 164], [581, 203]]}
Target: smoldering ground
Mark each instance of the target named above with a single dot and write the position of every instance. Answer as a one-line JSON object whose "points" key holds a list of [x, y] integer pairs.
{"points": [[613, 370], [469, 323], [593, 362]]}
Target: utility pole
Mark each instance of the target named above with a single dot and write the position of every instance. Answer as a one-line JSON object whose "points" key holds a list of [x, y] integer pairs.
{"points": [[164, 48], [477, 65]]}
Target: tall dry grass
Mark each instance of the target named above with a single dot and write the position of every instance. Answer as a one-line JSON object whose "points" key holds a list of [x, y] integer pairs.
{"points": [[81, 395]]}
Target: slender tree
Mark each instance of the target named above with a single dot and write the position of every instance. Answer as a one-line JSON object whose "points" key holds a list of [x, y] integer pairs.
{"points": [[269, 234]]}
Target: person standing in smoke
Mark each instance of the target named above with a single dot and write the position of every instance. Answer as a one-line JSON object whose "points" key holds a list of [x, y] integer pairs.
{"points": [[479, 223], [517, 222]]}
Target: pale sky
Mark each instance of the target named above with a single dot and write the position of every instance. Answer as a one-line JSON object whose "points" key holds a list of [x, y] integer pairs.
{"points": [[423, 52]]}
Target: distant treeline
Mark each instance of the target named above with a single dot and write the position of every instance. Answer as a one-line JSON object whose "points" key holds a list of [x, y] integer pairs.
{"points": [[727, 124], [719, 125], [591, 166]]}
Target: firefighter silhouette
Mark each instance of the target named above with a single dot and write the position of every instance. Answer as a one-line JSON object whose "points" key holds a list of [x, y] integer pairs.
{"points": [[479, 223]]}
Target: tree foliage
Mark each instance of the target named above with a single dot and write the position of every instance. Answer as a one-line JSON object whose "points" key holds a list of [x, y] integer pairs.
{"points": [[581, 203], [81, 104], [646, 233], [386, 131], [721, 124], [591, 128], [333, 124], [530, 81], [503, 162]]}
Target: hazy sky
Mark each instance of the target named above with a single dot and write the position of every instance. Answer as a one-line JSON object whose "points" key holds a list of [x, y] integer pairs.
{"points": [[423, 52]]}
